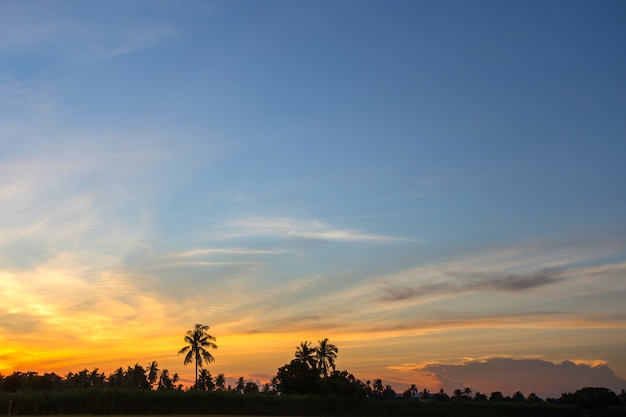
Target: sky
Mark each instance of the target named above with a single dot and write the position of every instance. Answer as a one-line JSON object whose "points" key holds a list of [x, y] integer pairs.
{"points": [[438, 187]]}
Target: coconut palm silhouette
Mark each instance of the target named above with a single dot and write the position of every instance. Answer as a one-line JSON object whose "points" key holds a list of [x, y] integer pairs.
{"points": [[198, 342]]}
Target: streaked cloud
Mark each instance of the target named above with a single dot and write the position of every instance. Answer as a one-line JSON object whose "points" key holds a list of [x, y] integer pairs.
{"points": [[477, 282], [162, 164], [291, 228], [19, 322], [47, 29], [134, 39], [226, 251]]}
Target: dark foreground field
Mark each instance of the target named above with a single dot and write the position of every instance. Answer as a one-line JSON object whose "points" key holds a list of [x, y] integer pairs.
{"points": [[140, 402]]}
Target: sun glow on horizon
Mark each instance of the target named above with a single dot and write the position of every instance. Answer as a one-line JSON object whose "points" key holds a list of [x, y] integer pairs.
{"points": [[282, 190]]}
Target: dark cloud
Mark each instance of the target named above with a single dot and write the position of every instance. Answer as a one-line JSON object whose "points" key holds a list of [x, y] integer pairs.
{"points": [[544, 378], [523, 282], [476, 282], [407, 292]]}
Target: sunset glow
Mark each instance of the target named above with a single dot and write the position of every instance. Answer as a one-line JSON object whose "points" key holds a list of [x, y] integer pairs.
{"points": [[438, 188]]}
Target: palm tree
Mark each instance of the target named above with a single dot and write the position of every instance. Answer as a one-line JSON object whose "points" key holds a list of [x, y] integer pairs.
{"points": [[198, 341], [307, 354], [205, 381], [326, 355], [153, 373], [220, 382], [241, 385], [167, 382]]}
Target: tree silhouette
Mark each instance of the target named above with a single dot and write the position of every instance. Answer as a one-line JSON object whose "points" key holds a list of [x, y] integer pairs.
{"points": [[411, 392], [167, 382], [205, 381], [198, 342], [220, 382], [518, 397], [594, 400], [496, 396], [153, 373], [378, 387], [116, 379], [307, 354], [251, 388], [96, 379], [326, 355], [479, 396], [297, 378], [441, 395], [241, 385], [136, 377]]}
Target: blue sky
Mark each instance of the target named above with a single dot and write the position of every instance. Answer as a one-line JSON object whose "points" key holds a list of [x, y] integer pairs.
{"points": [[446, 178]]}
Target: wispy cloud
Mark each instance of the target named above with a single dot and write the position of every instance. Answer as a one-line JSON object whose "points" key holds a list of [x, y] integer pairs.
{"points": [[22, 27], [20, 322], [471, 281], [226, 251], [132, 40], [76, 191], [44, 28], [291, 228]]}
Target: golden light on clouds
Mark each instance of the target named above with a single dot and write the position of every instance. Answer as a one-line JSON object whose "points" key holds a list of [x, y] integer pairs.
{"points": [[403, 240]]}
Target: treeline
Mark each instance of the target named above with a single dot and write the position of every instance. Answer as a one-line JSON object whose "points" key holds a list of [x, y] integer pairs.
{"points": [[309, 384], [133, 377], [299, 388]]}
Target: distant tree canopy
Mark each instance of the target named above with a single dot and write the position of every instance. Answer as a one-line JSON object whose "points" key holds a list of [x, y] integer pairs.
{"points": [[594, 400], [297, 377], [312, 371], [134, 377]]}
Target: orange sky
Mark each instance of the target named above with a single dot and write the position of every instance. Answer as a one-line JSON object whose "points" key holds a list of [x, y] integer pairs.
{"points": [[400, 357], [430, 185]]}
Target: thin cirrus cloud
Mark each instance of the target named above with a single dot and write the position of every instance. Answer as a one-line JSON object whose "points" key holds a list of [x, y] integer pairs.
{"points": [[104, 188], [22, 100], [45, 28], [40, 205], [524, 268], [19, 30], [290, 228], [225, 251], [133, 40]]}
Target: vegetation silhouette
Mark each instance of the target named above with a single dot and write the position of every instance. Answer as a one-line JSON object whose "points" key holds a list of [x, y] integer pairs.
{"points": [[198, 342], [153, 373], [326, 355], [309, 384], [307, 353]]}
